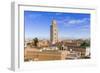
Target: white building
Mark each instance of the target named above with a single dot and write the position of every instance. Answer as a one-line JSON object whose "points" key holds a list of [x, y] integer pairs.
{"points": [[87, 51]]}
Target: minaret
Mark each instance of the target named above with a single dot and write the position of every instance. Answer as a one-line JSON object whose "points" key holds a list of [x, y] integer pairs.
{"points": [[53, 32]]}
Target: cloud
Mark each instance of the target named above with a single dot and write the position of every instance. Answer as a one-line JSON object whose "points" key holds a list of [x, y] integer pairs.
{"points": [[78, 21], [69, 22]]}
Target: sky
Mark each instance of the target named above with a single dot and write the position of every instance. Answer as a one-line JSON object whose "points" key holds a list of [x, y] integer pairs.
{"points": [[70, 25]]}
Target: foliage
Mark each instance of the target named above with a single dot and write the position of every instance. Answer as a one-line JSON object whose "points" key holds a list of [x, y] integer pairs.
{"points": [[29, 44], [85, 44], [35, 41]]}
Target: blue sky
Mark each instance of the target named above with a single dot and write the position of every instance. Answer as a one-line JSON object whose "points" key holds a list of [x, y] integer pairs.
{"points": [[70, 25]]}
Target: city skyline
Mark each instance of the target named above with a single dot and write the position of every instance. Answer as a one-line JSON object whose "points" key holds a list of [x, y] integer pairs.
{"points": [[70, 25]]}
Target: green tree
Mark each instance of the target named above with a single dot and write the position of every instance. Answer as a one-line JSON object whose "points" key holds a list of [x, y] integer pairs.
{"points": [[59, 45], [85, 44]]}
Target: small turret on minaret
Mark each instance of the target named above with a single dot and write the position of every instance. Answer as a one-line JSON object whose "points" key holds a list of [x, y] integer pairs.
{"points": [[54, 22]]}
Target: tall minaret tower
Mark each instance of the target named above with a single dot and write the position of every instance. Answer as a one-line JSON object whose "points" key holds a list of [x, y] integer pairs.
{"points": [[53, 32]]}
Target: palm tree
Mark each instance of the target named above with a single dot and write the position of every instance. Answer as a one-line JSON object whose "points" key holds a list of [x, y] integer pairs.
{"points": [[35, 41]]}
